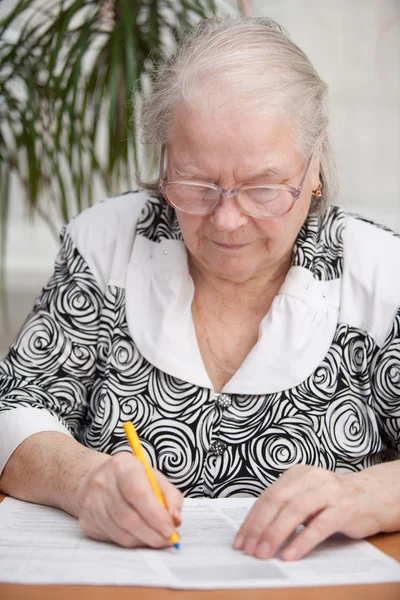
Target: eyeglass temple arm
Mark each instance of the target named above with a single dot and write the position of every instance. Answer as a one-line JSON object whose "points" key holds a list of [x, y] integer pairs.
{"points": [[161, 174], [305, 172]]}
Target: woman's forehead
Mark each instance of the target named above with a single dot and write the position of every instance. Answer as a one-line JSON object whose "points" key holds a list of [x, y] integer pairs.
{"points": [[228, 121], [197, 131], [205, 143]]}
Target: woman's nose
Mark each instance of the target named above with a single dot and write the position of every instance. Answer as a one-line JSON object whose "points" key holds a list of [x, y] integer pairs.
{"points": [[228, 215]]}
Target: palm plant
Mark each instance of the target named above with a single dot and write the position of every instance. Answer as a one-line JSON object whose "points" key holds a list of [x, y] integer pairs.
{"points": [[64, 64]]}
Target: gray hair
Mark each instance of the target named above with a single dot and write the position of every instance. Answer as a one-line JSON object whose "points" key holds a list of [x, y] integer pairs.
{"points": [[252, 63]]}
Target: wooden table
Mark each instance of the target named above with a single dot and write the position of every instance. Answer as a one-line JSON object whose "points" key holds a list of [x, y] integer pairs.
{"points": [[388, 543]]}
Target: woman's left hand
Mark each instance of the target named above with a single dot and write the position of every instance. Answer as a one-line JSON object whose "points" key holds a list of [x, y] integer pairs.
{"points": [[356, 504]]}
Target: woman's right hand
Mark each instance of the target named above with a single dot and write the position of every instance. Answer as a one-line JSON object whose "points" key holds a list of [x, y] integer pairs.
{"points": [[118, 504]]}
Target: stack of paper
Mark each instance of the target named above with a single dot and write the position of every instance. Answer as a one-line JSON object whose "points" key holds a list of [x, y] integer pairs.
{"points": [[44, 545]]}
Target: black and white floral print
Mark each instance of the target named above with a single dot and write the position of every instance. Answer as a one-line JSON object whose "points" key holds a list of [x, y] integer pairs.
{"points": [[75, 357]]}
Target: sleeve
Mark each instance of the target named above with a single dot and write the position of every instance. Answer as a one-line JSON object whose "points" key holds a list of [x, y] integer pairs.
{"points": [[385, 379], [49, 371]]}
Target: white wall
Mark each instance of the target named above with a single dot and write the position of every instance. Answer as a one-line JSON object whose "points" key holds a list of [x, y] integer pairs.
{"points": [[355, 46]]}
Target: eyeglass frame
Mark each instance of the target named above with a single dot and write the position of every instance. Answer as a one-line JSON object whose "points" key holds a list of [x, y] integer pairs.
{"points": [[223, 193]]}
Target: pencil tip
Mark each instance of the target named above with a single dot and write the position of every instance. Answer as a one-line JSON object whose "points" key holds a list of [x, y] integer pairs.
{"points": [[177, 546]]}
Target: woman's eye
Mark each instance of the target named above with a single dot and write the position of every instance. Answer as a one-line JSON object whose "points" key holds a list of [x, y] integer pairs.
{"points": [[263, 194]]}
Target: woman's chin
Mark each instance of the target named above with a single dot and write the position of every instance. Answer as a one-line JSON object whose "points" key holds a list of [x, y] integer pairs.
{"points": [[235, 269]]}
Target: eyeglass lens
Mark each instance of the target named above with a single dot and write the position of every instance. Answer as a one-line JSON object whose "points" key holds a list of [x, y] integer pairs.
{"points": [[259, 202]]}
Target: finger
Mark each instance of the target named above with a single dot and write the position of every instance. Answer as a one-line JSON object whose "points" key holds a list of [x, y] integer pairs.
{"points": [[100, 523], [324, 525], [125, 527], [296, 472], [172, 496], [135, 488], [292, 514], [269, 504], [114, 532], [258, 520], [111, 518], [106, 514]]}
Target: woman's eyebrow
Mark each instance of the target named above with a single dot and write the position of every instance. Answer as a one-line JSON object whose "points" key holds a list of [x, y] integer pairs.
{"points": [[188, 174], [191, 174], [268, 172]]}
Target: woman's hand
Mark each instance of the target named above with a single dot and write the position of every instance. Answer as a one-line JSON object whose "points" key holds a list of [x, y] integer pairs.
{"points": [[118, 504], [356, 504]]}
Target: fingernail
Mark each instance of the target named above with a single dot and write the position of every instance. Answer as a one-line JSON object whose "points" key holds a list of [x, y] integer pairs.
{"points": [[238, 543]]}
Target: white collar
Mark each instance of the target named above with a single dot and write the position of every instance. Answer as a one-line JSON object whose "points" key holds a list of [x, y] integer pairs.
{"points": [[294, 336]]}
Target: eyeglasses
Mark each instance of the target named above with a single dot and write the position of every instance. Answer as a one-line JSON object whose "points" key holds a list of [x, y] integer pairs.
{"points": [[257, 201]]}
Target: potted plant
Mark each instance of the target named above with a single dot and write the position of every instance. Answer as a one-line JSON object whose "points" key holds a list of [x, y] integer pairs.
{"points": [[67, 113]]}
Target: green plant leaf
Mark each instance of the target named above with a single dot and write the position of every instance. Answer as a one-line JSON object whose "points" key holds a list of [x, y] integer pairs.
{"points": [[60, 74], [5, 172]]}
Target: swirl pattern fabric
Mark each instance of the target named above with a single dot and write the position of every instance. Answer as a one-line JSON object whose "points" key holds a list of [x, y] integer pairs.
{"points": [[75, 357]]}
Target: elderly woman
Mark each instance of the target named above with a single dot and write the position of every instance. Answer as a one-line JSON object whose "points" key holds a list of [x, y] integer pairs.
{"points": [[250, 331]]}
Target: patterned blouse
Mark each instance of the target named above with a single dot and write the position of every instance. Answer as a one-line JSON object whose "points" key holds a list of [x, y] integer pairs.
{"points": [[111, 339]]}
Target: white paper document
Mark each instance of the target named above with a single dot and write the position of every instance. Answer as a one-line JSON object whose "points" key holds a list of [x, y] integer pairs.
{"points": [[44, 545]]}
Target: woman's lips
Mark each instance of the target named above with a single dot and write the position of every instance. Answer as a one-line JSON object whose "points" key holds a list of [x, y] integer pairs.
{"points": [[230, 246]]}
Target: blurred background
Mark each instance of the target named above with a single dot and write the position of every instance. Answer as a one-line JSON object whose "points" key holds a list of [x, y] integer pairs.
{"points": [[355, 46]]}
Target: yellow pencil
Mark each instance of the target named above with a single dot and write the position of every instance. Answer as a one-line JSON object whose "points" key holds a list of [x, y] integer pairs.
{"points": [[137, 449]]}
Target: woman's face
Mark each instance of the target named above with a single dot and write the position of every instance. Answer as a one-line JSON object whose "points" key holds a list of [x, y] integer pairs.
{"points": [[229, 149]]}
